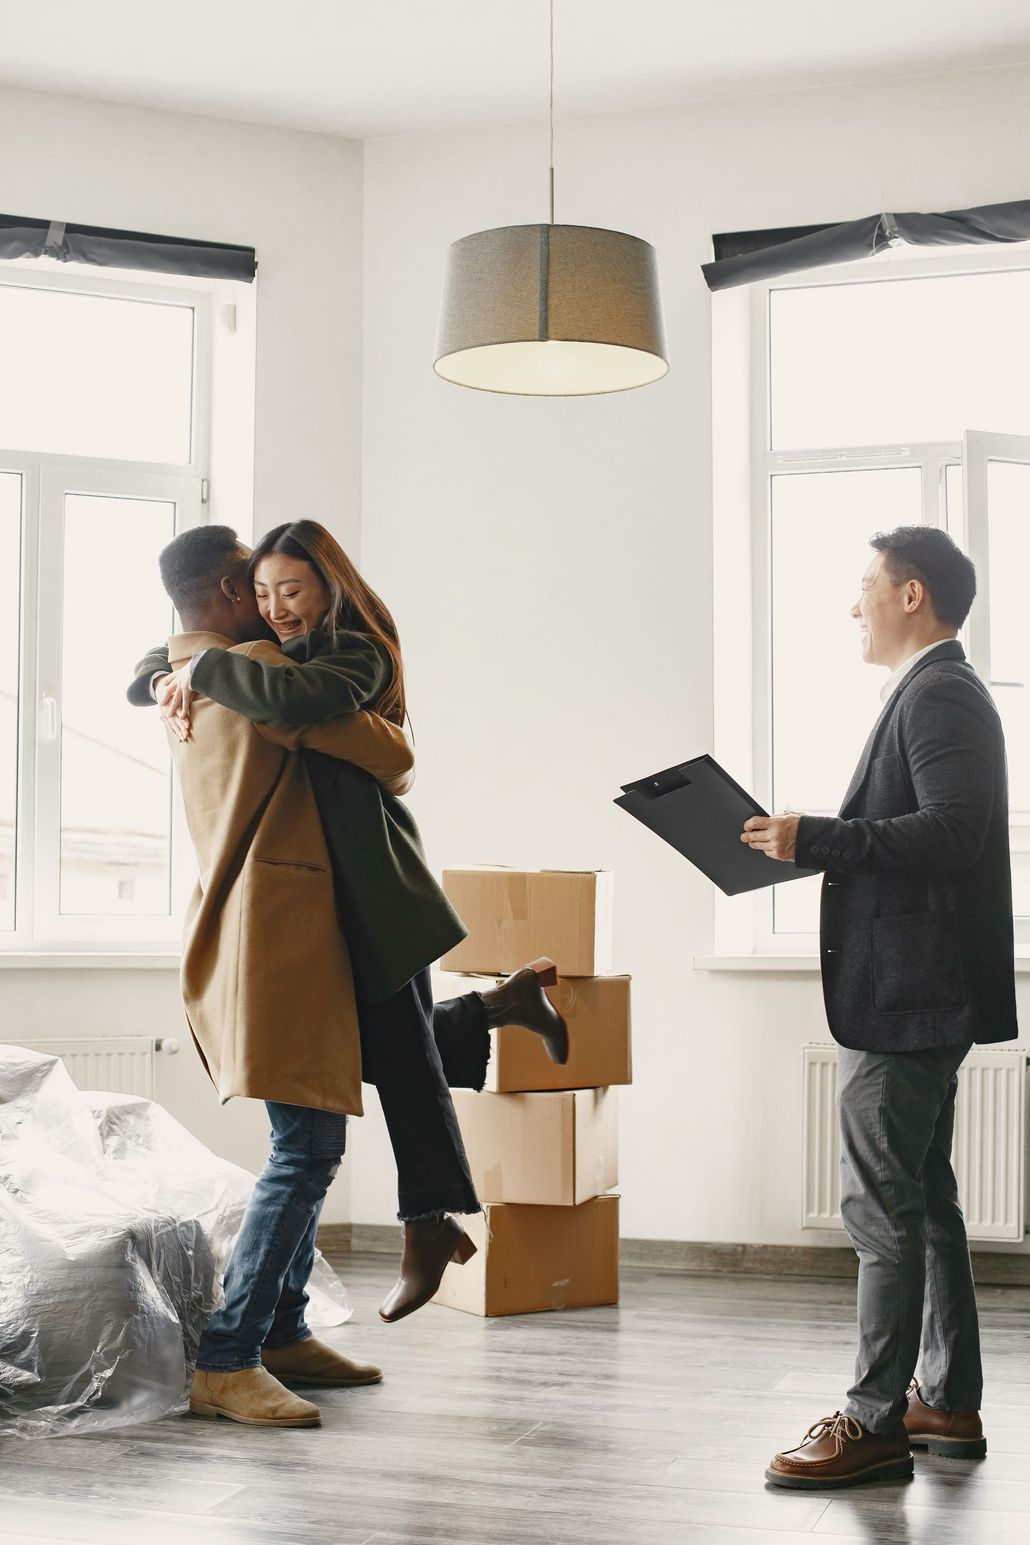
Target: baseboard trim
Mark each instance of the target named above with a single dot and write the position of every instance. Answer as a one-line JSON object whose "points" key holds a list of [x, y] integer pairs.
{"points": [[990, 1269], [739, 1260], [369, 1238]]}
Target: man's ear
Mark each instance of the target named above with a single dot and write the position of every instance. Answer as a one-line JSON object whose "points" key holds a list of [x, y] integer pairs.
{"points": [[915, 594], [230, 589]]}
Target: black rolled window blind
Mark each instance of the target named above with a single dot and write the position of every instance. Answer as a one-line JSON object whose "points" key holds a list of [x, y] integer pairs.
{"points": [[105, 248], [741, 257]]}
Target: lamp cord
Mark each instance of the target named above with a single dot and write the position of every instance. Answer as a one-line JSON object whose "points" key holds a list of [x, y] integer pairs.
{"points": [[551, 112]]}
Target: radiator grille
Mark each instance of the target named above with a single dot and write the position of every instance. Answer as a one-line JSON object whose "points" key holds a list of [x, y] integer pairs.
{"points": [[121, 1064], [989, 1152]]}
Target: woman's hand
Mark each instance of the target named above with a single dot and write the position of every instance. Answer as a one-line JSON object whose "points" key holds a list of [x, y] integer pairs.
{"points": [[174, 696]]}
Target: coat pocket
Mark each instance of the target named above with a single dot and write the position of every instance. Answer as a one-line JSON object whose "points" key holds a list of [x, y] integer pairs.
{"points": [[293, 863], [916, 964]]}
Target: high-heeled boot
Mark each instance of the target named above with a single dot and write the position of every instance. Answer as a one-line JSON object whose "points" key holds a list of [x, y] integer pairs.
{"points": [[429, 1245], [521, 1000]]}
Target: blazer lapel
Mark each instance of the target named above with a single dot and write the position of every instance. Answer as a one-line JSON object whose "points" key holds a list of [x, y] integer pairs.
{"points": [[951, 649]]}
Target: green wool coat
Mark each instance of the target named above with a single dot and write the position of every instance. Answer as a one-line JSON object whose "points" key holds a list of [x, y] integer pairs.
{"points": [[394, 915]]}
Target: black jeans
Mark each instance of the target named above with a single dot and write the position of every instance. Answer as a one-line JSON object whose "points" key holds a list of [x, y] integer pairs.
{"points": [[415, 1055]]}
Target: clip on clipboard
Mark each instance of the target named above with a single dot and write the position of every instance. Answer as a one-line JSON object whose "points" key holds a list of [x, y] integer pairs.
{"points": [[700, 811]]}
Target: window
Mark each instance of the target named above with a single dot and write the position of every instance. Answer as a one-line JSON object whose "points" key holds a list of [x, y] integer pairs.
{"points": [[103, 443], [886, 393]]}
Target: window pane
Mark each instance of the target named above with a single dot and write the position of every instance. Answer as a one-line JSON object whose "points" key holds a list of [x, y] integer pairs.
{"points": [[89, 375], [115, 785], [1008, 506], [10, 599], [824, 698], [896, 361]]}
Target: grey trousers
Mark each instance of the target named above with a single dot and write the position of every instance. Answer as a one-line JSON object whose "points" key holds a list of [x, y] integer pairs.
{"points": [[899, 1201]]}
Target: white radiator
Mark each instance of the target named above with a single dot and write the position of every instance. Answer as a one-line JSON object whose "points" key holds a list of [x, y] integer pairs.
{"points": [[120, 1064], [989, 1152]]}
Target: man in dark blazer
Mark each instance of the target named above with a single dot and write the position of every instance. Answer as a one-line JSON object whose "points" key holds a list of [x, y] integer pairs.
{"points": [[916, 950]]}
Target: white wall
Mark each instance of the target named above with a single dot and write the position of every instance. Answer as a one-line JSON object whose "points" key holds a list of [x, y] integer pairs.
{"points": [[549, 564], [297, 199]]}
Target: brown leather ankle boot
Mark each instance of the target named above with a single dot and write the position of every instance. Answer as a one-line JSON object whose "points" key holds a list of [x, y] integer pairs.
{"points": [[429, 1244], [521, 1000]]}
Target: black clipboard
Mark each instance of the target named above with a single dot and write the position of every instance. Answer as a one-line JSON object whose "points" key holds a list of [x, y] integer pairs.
{"points": [[700, 811]]}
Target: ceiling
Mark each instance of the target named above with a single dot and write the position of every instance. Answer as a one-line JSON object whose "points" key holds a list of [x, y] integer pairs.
{"points": [[365, 68]]}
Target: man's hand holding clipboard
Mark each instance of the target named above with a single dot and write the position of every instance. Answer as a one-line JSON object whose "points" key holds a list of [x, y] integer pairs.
{"points": [[774, 835], [700, 811]]}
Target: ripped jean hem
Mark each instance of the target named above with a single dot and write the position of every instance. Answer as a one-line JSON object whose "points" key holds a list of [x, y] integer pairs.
{"points": [[461, 1208]]}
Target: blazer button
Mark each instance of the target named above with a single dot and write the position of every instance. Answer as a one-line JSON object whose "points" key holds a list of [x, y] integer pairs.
{"points": [[847, 852], [835, 852]]}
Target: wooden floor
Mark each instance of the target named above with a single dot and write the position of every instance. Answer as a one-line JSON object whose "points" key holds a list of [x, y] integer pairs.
{"points": [[648, 1423]]}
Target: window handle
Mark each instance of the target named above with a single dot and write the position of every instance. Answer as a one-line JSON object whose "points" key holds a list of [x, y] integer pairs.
{"points": [[50, 711]]}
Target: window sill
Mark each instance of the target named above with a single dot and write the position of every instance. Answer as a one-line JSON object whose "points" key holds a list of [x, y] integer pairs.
{"points": [[780, 963], [789, 963], [89, 960]]}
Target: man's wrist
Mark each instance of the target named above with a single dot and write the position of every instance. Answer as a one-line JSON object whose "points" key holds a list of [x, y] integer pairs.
{"points": [[808, 830]]}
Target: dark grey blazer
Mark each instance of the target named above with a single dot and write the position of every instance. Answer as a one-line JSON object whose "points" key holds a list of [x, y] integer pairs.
{"points": [[916, 926]]}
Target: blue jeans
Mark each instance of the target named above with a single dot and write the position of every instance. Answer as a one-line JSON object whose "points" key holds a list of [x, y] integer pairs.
{"points": [[266, 1280]]}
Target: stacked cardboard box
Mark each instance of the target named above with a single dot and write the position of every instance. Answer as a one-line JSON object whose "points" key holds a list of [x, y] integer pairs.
{"points": [[542, 1140]]}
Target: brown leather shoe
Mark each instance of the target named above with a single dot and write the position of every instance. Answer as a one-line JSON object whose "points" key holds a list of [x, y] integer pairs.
{"points": [[312, 1362], [952, 1434], [429, 1244], [521, 1000], [251, 1396], [837, 1451]]}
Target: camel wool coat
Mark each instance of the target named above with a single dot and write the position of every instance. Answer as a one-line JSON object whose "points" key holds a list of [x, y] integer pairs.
{"points": [[266, 975], [395, 915]]}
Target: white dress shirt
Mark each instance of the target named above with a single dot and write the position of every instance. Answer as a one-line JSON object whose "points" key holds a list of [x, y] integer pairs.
{"points": [[896, 677]]}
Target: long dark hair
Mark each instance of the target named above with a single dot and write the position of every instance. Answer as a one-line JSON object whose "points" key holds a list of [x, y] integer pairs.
{"points": [[352, 603]]}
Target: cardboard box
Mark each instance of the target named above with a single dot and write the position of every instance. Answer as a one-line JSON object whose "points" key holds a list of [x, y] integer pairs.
{"points": [[536, 1258], [554, 1150], [513, 916]]}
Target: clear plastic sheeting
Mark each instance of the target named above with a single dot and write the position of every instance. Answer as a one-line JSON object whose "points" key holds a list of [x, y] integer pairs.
{"points": [[115, 1228]]}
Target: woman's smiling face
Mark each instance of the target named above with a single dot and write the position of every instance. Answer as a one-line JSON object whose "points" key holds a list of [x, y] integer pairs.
{"points": [[291, 596]]}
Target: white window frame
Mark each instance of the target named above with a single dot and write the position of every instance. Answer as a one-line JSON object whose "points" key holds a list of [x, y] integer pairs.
{"points": [[743, 465], [40, 927]]}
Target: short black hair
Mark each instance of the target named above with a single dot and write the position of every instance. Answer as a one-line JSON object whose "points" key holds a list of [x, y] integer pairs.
{"points": [[194, 563], [928, 554]]}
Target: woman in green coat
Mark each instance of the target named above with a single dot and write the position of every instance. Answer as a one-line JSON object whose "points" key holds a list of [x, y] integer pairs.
{"points": [[346, 656]]}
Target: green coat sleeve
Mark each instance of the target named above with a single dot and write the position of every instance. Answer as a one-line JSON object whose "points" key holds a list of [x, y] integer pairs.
{"points": [[139, 690], [353, 676]]}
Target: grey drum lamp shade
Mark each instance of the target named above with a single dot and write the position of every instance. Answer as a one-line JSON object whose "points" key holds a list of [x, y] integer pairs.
{"points": [[551, 311]]}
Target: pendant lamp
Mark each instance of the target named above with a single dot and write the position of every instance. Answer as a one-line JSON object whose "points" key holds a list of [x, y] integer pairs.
{"points": [[551, 310]]}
